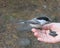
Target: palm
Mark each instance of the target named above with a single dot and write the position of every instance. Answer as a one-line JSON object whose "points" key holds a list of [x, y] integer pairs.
{"points": [[43, 35]]}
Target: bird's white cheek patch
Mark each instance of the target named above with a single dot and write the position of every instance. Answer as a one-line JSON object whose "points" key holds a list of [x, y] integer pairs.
{"points": [[42, 22]]}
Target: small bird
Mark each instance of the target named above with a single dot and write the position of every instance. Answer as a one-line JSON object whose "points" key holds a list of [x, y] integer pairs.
{"points": [[39, 22]]}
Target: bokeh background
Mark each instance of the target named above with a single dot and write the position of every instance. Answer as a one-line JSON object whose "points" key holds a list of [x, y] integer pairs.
{"points": [[11, 11]]}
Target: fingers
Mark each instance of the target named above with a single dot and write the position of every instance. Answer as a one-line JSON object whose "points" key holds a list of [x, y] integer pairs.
{"points": [[36, 32], [41, 36]]}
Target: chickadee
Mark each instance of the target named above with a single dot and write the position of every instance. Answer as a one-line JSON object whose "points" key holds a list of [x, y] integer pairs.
{"points": [[39, 22]]}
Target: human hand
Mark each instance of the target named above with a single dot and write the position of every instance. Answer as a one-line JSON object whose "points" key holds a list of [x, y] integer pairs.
{"points": [[43, 35]]}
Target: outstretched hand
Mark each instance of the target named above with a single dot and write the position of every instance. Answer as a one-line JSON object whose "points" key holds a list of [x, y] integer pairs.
{"points": [[43, 35]]}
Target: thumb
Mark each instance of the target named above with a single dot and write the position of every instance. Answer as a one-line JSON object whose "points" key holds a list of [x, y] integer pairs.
{"points": [[47, 26]]}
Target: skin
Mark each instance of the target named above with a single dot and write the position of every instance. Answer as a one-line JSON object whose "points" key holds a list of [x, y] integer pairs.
{"points": [[43, 35]]}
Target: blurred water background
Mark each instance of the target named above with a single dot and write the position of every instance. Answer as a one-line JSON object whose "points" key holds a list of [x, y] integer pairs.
{"points": [[12, 34]]}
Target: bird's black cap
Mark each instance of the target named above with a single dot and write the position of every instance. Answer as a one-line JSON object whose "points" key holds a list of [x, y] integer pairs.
{"points": [[44, 18]]}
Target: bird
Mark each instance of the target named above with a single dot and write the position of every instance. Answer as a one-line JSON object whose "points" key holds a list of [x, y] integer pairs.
{"points": [[38, 22]]}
